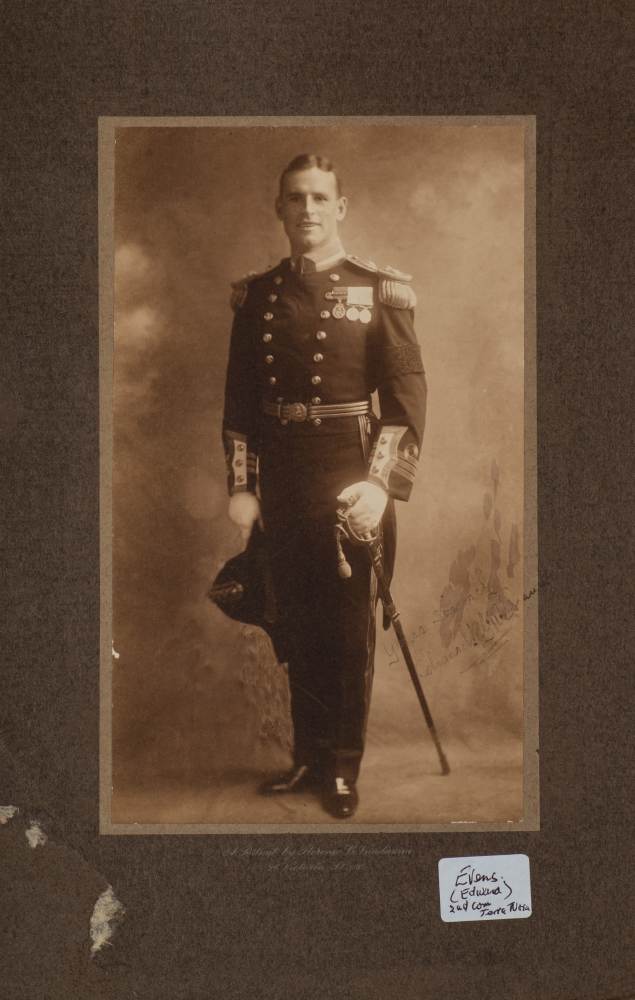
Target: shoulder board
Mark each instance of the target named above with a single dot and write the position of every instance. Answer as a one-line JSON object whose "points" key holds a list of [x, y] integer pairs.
{"points": [[241, 286], [362, 262], [392, 272], [383, 272], [396, 294]]}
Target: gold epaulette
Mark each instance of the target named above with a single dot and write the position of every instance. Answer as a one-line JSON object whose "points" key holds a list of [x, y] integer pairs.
{"points": [[393, 288], [240, 287], [396, 294]]}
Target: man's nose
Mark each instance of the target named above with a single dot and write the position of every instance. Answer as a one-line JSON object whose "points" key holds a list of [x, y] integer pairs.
{"points": [[309, 203]]}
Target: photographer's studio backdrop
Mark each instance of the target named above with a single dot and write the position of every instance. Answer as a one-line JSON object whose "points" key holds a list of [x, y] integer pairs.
{"points": [[200, 708]]}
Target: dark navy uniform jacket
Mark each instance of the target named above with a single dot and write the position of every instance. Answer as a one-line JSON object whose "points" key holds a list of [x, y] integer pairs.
{"points": [[326, 337]]}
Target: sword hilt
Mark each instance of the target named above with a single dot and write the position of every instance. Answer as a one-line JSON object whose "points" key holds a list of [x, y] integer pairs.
{"points": [[347, 529], [344, 529]]}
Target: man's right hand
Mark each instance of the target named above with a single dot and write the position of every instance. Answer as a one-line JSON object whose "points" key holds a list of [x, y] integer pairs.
{"points": [[244, 511]]}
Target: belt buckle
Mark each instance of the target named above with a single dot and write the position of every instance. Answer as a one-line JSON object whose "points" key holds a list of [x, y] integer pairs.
{"points": [[296, 412]]}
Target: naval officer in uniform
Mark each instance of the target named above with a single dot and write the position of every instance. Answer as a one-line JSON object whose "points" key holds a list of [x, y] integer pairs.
{"points": [[312, 339]]}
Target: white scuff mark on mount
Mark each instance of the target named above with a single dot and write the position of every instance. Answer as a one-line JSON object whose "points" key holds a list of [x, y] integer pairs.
{"points": [[107, 912], [35, 835], [114, 652], [7, 813]]}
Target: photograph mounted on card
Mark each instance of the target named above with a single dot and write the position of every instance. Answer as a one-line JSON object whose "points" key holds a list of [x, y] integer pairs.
{"points": [[319, 557]]}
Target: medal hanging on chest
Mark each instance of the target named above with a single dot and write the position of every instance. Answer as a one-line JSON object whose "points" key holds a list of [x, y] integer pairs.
{"points": [[353, 303], [359, 302], [339, 295]]}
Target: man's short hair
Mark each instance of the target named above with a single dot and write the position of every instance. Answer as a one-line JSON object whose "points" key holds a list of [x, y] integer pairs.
{"points": [[304, 162]]}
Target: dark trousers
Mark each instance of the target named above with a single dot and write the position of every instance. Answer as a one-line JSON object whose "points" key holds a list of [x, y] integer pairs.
{"points": [[328, 622]]}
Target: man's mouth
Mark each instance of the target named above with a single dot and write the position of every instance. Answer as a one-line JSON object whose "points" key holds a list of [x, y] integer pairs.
{"points": [[308, 225]]}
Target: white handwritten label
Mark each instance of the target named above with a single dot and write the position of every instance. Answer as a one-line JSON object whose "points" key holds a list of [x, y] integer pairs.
{"points": [[494, 887]]}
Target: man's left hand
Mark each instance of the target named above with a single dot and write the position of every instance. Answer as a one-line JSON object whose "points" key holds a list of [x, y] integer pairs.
{"points": [[366, 505]]}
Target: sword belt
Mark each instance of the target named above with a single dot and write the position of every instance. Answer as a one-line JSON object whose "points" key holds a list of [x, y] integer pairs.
{"points": [[299, 412]]}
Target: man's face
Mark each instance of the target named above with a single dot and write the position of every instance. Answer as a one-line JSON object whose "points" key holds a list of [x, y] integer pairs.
{"points": [[309, 209]]}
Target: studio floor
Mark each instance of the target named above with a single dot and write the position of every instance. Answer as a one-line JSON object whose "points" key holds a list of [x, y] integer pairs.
{"points": [[399, 784]]}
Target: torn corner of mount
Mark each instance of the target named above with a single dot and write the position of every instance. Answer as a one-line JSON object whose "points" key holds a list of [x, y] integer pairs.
{"points": [[35, 835], [107, 913]]}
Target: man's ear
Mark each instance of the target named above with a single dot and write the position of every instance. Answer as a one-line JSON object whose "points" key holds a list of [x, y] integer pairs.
{"points": [[342, 207]]}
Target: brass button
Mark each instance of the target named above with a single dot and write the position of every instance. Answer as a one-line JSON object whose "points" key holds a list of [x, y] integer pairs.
{"points": [[315, 379], [283, 421], [277, 280], [320, 335], [273, 380], [334, 277], [273, 297], [316, 401], [270, 359], [318, 357], [316, 421], [280, 399], [324, 314], [266, 337], [268, 316]]}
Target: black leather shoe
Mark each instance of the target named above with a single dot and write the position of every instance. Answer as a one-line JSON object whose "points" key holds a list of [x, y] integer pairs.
{"points": [[298, 779], [340, 798]]}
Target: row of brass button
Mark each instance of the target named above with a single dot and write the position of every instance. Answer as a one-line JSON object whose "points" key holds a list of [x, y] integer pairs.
{"points": [[268, 337], [318, 358]]}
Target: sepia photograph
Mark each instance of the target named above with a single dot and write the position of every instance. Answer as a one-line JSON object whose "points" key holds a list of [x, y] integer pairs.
{"points": [[315, 419], [318, 502]]}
